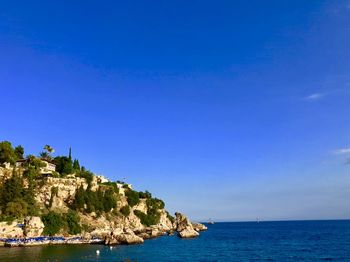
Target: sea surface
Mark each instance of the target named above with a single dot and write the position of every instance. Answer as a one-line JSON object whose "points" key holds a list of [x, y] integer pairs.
{"points": [[241, 241]]}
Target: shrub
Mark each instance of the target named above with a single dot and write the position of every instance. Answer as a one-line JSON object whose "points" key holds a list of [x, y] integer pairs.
{"points": [[89, 176], [109, 200], [112, 185], [151, 218], [155, 203], [64, 165], [95, 201], [145, 194], [17, 209], [53, 223], [132, 197], [73, 219], [125, 210], [7, 153], [15, 200]]}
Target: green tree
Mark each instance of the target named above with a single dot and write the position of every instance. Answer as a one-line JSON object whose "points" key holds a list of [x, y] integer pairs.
{"points": [[80, 198], [19, 152], [109, 200], [64, 165], [32, 167], [70, 154], [47, 154], [12, 189], [53, 223], [125, 210], [17, 208], [7, 153], [76, 165], [132, 197]]}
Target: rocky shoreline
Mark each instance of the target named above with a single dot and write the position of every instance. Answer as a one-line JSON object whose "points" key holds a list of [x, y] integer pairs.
{"points": [[118, 236], [72, 205]]}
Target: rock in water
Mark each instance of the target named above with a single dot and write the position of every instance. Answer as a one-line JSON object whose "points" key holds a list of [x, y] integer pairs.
{"points": [[184, 226], [199, 227], [33, 226], [188, 233]]}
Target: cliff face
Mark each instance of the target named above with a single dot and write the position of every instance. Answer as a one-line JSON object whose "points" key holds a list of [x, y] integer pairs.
{"points": [[64, 195], [126, 222]]}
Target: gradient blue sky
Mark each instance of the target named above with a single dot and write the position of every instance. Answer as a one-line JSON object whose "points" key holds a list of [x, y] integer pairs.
{"points": [[225, 109]]}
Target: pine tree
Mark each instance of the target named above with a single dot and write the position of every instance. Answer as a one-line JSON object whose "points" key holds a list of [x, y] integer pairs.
{"points": [[70, 154]]}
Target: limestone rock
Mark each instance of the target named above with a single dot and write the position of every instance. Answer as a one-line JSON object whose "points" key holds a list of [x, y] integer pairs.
{"points": [[184, 226], [10, 230], [188, 232], [199, 227], [120, 236], [33, 226], [181, 222]]}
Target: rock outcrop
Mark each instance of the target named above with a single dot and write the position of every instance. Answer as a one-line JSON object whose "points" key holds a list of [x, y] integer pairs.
{"points": [[33, 226], [10, 230], [122, 236], [66, 188], [184, 226], [199, 227]]}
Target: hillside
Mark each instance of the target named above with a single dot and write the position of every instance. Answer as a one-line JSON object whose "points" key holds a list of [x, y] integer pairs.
{"points": [[56, 197]]}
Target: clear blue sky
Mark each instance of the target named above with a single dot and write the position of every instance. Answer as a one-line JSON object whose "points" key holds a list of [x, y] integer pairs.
{"points": [[225, 109]]}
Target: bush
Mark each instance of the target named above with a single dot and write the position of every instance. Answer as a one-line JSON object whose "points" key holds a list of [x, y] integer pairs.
{"points": [[53, 223], [132, 197], [89, 176], [125, 210], [112, 185], [64, 165], [16, 209], [15, 200], [151, 218], [73, 219], [145, 194], [109, 200], [155, 203], [95, 201], [7, 153]]}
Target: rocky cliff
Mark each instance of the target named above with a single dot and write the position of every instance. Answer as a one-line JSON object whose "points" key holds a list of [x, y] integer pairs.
{"points": [[133, 217]]}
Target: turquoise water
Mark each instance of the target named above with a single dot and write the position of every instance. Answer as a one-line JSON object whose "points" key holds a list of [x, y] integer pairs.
{"points": [[265, 241]]}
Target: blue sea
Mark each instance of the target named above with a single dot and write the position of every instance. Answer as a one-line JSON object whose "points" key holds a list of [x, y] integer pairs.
{"points": [[241, 241]]}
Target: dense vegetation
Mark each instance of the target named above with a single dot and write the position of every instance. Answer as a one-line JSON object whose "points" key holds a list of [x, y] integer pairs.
{"points": [[95, 201], [16, 201], [55, 222]]}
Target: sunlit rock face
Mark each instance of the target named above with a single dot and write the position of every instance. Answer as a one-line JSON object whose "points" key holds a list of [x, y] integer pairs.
{"points": [[10, 230], [184, 226], [33, 227]]}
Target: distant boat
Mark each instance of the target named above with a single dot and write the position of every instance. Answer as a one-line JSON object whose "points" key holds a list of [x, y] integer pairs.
{"points": [[211, 222]]}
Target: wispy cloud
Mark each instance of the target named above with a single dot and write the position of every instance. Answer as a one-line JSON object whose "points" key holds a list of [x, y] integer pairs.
{"points": [[314, 97], [342, 151]]}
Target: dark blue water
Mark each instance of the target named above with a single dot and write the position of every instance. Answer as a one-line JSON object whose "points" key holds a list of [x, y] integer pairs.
{"points": [[265, 241]]}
